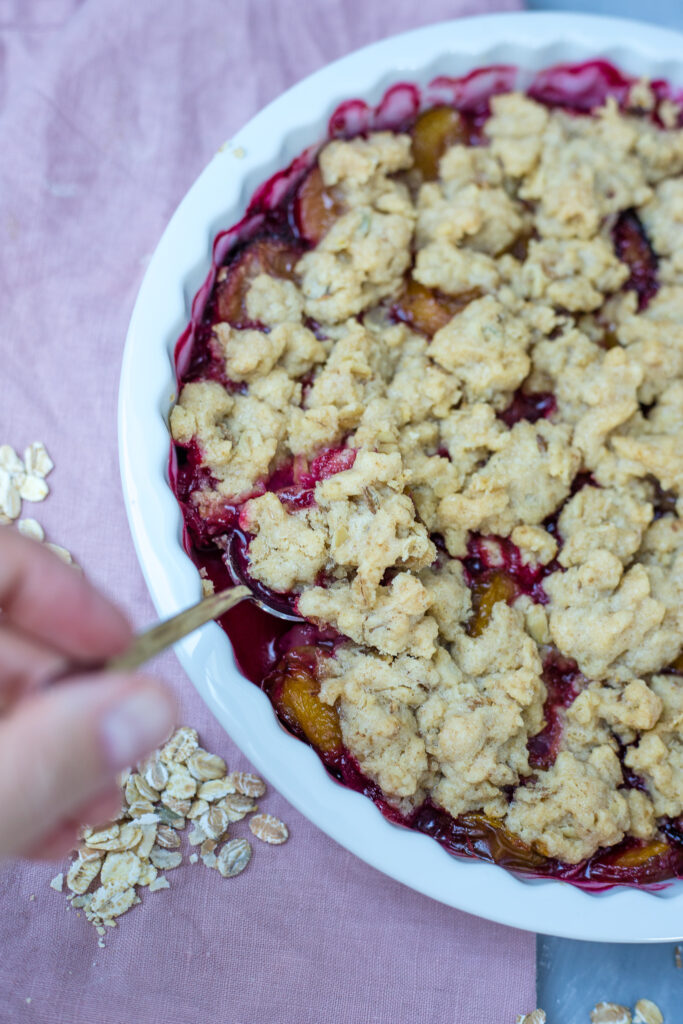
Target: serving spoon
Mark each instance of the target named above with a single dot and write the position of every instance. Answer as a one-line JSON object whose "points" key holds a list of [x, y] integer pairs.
{"points": [[164, 634], [157, 638]]}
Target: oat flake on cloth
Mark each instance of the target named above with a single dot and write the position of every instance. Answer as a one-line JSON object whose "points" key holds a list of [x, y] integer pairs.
{"points": [[108, 111]]}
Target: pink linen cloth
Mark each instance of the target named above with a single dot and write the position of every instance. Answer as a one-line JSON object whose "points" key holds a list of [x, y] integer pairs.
{"points": [[108, 111]]}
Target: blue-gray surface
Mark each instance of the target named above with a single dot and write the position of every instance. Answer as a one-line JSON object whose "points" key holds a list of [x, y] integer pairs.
{"points": [[574, 976], [663, 12]]}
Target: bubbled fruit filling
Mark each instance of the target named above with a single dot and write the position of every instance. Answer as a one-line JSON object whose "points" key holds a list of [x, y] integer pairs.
{"points": [[287, 218]]}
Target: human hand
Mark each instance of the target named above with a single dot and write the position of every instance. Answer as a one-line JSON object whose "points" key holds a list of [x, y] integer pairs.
{"points": [[60, 747]]}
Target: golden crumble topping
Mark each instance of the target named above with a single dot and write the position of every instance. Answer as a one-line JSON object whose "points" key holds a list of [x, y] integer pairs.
{"points": [[483, 354]]}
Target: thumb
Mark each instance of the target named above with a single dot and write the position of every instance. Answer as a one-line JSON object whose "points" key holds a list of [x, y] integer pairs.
{"points": [[60, 749]]}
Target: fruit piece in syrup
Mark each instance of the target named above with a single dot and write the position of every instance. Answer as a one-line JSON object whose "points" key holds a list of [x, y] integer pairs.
{"points": [[497, 586], [640, 855], [317, 208], [433, 133], [299, 706], [427, 310], [264, 256]]}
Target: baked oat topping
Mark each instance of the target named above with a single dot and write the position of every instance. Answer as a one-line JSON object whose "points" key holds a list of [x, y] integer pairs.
{"points": [[444, 418]]}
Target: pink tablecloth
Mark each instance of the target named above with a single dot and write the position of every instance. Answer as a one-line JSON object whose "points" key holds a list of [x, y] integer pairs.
{"points": [[108, 110]]}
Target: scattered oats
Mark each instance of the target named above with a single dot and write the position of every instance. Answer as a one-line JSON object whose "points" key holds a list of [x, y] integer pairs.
{"points": [[165, 859], [129, 837], [155, 773], [131, 791], [209, 858], [28, 999], [237, 806], [82, 873], [181, 745], [89, 853], [101, 943], [4, 520], [31, 528], [181, 807], [109, 902], [57, 882], [96, 837], [535, 1017], [10, 461], [197, 809], [167, 815], [140, 808], [32, 896], [10, 501], [647, 1012], [33, 488], [216, 789], [60, 552], [196, 836], [234, 857], [610, 1013], [147, 819], [122, 778], [121, 870], [208, 588], [160, 882], [204, 766], [147, 873], [269, 829], [146, 791], [180, 785], [167, 838], [248, 784], [82, 901], [37, 460], [214, 822]]}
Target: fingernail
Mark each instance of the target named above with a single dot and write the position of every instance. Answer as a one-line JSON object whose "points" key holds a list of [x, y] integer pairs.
{"points": [[134, 726]]}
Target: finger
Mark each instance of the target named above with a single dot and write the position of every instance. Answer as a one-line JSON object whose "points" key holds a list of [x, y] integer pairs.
{"points": [[66, 744], [48, 599], [65, 837], [25, 663]]}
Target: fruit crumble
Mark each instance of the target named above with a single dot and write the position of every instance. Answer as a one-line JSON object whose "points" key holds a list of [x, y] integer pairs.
{"points": [[432, 402]]}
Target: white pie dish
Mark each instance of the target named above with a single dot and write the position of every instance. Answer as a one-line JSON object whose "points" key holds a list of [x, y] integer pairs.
{"points": [[178, 268]]}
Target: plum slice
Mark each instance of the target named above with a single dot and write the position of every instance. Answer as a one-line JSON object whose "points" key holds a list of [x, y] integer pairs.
{"points": [[263, 256], [434, 132], [316, 207], [427, 310]]}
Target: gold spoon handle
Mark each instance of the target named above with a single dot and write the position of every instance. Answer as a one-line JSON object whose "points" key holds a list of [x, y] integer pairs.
{"points": [[146, 645]]}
